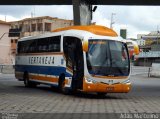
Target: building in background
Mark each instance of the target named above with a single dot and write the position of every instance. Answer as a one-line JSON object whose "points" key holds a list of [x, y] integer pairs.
{"points": [[140, 42], [149, 41], [151, 50], [11, 32], [35, 26], [123, 33], [39, 25], [139, 36], [152, 38], [6, 57]]}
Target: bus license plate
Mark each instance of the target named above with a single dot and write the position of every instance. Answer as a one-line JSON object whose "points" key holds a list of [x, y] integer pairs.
{"points": [[110, 88]]}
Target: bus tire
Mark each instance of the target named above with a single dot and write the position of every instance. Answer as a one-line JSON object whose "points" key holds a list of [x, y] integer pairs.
{"points": [[61, 85], [28, 83]]}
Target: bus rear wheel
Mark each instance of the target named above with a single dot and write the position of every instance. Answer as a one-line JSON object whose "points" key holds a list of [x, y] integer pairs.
{"points": [[28, 83]]}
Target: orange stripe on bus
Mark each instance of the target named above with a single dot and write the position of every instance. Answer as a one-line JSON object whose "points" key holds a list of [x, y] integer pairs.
{"points": [[45, 78]]}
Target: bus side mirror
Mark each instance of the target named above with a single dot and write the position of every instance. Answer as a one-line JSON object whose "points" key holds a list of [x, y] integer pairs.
{"points": [[85, 45], [135, 46]]}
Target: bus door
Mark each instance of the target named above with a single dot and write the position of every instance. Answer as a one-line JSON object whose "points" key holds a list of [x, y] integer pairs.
{"points": [[73, 52]]}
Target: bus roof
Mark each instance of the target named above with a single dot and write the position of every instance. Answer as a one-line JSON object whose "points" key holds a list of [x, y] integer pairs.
{"points": [[95, 29], [92, 29]]}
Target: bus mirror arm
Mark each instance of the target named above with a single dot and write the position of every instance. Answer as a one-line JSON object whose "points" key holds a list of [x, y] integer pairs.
{"points": [[135, 45]]}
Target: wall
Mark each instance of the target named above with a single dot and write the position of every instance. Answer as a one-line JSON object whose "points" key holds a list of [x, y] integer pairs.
{"points": [[5, 45], [141, 42], [60, 24]]}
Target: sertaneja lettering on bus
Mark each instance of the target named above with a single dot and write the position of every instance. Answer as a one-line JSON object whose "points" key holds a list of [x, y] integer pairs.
{"points": [[41, 60]]}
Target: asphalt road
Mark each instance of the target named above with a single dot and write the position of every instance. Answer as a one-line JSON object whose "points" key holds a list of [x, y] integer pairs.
{"points": [[143, 98]]}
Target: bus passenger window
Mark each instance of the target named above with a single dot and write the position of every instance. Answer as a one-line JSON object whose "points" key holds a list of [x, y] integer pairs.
{"points": [[19, 47], [54, 44], [42, 45], [33, 47]]}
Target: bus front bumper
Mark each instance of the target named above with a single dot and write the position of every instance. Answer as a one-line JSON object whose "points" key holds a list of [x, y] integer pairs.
{"points": [[101, 87]]}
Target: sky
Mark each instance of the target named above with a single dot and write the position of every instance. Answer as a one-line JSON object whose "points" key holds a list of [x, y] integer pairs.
{"points": [[136, 19]]}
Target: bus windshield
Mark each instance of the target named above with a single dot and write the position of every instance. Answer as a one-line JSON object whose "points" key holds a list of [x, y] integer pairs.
{"points": [[107, 58]]}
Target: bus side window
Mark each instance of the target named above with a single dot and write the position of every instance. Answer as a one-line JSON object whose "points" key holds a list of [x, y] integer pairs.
{"points": [[33, 46], [54, 44], [19, 47], [42, 45], [27, 47], [22, 48]]}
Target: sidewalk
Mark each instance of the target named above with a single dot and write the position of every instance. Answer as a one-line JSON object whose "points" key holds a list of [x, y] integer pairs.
{"points": [[6, 75]]}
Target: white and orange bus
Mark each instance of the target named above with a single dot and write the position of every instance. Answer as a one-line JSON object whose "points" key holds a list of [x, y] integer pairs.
{"points": [[85, 58]]}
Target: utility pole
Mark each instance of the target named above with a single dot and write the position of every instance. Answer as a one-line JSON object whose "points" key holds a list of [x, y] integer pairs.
{"points": [[157, 34], [112, 22], [5, 18], [34, 11]]}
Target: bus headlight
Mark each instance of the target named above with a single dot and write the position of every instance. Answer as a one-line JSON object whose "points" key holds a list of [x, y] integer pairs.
{"points": [[93, 81], [126, 81], [88, 80]]}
